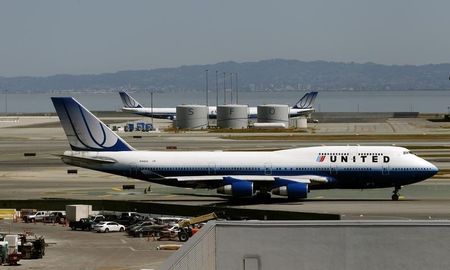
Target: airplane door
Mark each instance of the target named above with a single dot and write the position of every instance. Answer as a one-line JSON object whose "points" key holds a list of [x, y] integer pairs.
{"points": [[212, 168], [267, 168], [133, 170], [385, 169], [333, 170]]}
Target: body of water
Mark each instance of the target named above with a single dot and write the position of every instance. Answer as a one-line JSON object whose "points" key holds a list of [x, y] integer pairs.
{"points": [[426, 101]]}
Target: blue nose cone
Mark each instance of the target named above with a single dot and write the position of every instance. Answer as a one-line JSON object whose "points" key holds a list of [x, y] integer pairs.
{"points": [[430, 170], [434, 170]]}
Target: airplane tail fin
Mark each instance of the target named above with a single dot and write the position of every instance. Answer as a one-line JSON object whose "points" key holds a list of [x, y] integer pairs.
{"points": [[307, 101], [84, 131], [128, 101]]}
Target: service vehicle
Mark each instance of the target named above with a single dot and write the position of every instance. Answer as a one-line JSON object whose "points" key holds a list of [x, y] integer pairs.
{"points": [[83, 224], [38, 216]]}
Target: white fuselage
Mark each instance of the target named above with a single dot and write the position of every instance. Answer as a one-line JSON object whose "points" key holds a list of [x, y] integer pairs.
{"points": [[345, 166]]}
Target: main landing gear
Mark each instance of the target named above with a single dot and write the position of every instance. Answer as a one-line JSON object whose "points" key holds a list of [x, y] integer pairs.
{"points": [[395, 194], [264, 196]]}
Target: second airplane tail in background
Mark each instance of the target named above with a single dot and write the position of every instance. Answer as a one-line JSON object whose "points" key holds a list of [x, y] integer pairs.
{"points": [[307, 101], [128, 101]]}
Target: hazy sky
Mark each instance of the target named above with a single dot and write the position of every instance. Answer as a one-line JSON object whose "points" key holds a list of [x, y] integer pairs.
{"points": [[87, 36]]}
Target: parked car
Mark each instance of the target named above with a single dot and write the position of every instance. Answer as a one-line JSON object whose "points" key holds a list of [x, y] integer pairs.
{"points": [[83, 224], [109, 226], [97, 218], [38, 216], [139, 224], [149, 230], [55, 217], [24, 213]]}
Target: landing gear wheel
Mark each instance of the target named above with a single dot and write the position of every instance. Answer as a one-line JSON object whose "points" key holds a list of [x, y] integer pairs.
{"points": [[395, 196], [263, 196]]}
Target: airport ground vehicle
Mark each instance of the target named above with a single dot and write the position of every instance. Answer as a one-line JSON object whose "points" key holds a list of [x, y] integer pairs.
{"points": [[185, 226], [168, 220], [32, 248], [83, 224], [108, 226]]}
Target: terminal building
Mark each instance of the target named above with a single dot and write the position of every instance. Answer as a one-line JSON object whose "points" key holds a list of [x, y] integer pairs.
{"points": [[263, 245]]}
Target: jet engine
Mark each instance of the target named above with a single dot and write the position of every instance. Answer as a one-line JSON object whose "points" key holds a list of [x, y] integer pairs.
{"points": [[238, 188], [292, 190]]}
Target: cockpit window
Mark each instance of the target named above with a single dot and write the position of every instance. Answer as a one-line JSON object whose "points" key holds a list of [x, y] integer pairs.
{"points": [[407, 153]]}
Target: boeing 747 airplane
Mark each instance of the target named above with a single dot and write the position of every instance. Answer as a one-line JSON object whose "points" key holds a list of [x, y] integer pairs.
{"points": [[291, 173], [303, 107]]}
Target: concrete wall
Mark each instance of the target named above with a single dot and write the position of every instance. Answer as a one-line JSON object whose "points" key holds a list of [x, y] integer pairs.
{"points": [[323, 245]]}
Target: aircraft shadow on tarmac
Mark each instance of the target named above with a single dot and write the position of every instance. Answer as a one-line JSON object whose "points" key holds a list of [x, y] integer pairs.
{"points": [[223, 200]]}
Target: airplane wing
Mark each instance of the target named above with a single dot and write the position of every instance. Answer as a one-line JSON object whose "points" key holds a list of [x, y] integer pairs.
{"points": [[307, 179]]}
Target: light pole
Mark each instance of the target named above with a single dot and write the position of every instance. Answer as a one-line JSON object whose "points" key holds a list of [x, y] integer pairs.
{"points": [[237, 89], [206, 87], [224, 89], [217, 88], [6, 102], [151, 105], [231, 87]]}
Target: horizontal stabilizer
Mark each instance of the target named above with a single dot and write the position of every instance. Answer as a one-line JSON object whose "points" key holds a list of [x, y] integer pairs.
{"points": [[71, 159]]}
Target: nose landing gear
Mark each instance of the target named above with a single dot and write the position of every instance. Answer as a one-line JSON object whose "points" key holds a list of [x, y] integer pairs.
{"points": [[395, 194]]}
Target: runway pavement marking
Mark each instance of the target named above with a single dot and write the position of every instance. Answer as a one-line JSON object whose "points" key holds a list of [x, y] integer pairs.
{"points": [[117, 189], [123, 241]]}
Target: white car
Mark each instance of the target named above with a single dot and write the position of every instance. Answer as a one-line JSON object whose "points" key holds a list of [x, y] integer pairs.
{"points": [[109, 226]]}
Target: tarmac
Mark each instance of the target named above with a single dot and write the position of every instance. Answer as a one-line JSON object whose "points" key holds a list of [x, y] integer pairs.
{"points": [[45, 176]]}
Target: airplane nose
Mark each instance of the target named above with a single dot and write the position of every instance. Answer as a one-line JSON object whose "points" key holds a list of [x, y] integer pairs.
{"points": [[434, 169]]}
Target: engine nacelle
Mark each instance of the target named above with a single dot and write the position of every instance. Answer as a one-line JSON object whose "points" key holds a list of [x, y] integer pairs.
{"points": [[292, 190], [239, 188]]}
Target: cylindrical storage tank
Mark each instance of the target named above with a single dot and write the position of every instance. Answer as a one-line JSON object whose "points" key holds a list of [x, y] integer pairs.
{"points": [[192, 116], [232, 116], [299, 122], [273, 113]]}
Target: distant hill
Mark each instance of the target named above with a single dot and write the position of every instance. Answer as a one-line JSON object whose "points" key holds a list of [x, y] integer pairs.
{"points": [[277, 74]]}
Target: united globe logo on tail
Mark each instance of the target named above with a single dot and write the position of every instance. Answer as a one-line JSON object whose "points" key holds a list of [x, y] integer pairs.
{"points": [[84, 131]]}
